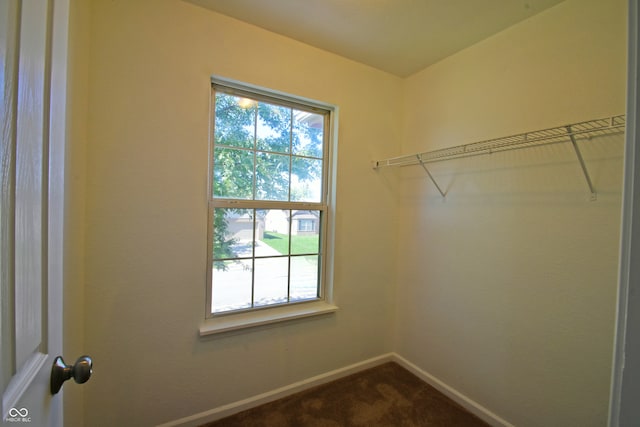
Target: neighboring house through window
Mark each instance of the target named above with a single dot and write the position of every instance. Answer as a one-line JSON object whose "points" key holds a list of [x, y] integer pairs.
{"points": [[268, 199]]}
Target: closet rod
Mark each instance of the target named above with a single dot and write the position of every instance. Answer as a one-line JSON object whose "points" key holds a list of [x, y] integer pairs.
{"points": [[566, 133]]}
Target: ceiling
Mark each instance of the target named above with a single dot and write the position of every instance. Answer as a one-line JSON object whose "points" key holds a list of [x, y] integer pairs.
{"points": [[397, 36]]}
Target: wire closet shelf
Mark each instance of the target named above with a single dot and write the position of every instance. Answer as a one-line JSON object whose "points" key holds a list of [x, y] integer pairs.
{"points": [[568, 133]]}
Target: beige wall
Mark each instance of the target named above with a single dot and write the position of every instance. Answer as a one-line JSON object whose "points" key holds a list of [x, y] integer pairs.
{"points": [[74, 272], [146, 212], [507, 287]]}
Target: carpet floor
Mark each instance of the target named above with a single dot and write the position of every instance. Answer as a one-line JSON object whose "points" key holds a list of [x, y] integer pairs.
{"points": [[384, 396]]}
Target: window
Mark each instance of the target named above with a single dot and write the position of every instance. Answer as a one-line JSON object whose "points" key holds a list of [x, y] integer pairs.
{"points": [[307, 225], [268, 193]]}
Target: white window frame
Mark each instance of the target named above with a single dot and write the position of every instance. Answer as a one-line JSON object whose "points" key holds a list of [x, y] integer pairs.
{"points": [[257, 316]]}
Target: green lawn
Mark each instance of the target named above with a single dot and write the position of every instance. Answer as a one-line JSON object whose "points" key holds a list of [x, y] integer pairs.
{"points": [[299, 244]]}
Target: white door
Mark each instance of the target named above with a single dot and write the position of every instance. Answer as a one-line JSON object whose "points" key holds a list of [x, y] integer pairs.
{"points": [[33, 55], [625, 389]]}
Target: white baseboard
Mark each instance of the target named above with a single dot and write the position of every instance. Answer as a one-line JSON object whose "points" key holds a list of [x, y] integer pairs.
{"points": [[470, 405], [260, 399]]}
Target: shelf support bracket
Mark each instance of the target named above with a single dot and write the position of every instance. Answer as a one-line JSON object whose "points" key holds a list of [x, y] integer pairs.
{"points": [[442, 193], [582, 163]]}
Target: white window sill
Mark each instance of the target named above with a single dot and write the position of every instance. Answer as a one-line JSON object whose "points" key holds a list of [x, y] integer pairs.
{"points": [[252, 319]]}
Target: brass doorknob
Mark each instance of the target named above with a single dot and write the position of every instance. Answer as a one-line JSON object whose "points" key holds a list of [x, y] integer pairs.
{"points": [[61, 372]]}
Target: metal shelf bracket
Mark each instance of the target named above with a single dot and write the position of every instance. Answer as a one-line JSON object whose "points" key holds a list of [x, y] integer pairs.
{"points": [[442, 193], [583, 166]]}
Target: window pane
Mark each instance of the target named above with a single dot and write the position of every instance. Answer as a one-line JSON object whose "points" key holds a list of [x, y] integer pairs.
{"points": [[272, 177], [231, 286], [274, 239], [232, 173], [306, 180], [305, 232], [274, 128], [235, 121], [308, 133], [232, 234], [271, 281], [304, 277]]}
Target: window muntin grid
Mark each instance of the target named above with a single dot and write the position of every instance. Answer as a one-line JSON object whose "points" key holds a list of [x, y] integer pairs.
{"points": [[268, 175]]}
